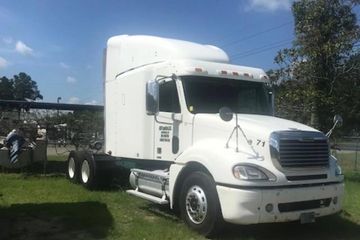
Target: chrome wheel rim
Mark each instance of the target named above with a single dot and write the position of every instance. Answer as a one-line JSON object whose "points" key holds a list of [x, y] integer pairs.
{"points": [[71, 168], [196, 204], [85, 171]]}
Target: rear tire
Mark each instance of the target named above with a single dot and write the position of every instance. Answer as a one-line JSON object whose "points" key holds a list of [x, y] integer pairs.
{"points": [[87, 173], [199, 204], [73, 169]]}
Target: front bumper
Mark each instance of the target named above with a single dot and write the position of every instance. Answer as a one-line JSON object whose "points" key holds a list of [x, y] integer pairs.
{"points": [[248, 206]]}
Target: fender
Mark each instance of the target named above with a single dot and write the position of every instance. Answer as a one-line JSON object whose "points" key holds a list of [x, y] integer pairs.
{"points": [[208, 155]]}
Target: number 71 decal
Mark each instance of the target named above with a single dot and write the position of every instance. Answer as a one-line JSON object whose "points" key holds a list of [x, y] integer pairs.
{"points": [[260, 142]]}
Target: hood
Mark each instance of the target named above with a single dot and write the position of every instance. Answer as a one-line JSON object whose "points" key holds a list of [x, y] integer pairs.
{"points": [[256, 127]]}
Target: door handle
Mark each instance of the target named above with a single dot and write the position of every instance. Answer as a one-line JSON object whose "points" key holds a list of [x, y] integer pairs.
{"points": [[175, 144]]}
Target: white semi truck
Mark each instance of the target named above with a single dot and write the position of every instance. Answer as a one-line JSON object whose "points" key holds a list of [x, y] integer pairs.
{"points": [[198, 135]]}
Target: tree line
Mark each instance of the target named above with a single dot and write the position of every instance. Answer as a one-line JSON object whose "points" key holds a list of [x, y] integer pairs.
{"points": [[319, 76], [19, 87]]}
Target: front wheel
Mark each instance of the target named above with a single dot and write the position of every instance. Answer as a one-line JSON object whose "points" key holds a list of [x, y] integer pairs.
{"points": [[199, 204]]}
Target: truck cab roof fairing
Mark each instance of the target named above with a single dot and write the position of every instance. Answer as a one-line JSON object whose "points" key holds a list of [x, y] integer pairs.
{"points": [[134, 51]]}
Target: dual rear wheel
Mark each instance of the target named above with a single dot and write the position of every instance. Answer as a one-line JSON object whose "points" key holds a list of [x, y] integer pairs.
{"points": [[72, 169], [81, 170]]}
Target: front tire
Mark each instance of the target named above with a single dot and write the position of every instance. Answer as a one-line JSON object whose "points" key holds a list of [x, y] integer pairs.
{"points": [[199, 204]]}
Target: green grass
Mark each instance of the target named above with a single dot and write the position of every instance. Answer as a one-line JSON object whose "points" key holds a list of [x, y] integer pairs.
{"points": [[352, 196], [36, 206], [33, 206]]}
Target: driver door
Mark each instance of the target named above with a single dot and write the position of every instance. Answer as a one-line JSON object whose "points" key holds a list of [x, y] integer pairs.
{"points": [[167, 122]]}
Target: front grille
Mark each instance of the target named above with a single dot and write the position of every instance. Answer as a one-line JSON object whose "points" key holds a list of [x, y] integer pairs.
{"points": [[304, 205], [301, 149], [294, 153]]}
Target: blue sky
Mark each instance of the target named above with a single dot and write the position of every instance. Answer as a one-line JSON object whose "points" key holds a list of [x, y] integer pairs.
{"points": [[60, 43]]}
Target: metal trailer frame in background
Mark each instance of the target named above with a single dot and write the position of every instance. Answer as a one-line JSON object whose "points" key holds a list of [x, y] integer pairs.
{"points": [[14, 104], [6, 105]]}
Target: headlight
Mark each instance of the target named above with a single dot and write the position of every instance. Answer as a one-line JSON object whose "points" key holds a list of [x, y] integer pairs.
{"points": [[246, 172]]}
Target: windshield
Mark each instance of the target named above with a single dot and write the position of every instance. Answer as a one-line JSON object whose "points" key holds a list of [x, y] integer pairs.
{"points": [[209, 94]]}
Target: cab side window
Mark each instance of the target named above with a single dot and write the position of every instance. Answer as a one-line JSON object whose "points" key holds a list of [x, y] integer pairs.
{"points": [[168, 97]]}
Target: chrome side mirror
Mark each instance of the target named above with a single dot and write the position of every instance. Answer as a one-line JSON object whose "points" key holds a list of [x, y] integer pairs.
{"points": [[226, 114], [338, 121], [152, 97]]}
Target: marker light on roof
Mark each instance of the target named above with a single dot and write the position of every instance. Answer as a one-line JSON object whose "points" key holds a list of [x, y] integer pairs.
{"points": [[248, 75], [197, 70]]}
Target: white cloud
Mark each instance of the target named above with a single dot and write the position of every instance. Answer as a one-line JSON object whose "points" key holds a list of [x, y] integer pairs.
{"points": [[3, 63], [74, 100], [268, 5], [64, 65], [7, 40], [92, 102], [23, 49], [71, 79]]}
